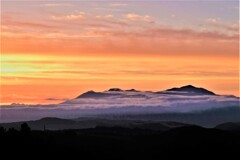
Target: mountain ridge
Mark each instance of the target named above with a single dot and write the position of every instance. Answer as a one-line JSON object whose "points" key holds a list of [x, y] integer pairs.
{"points": [[184, 90]]}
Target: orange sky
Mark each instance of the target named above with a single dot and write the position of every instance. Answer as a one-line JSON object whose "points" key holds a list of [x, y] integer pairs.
{"points": [[60, 50]]}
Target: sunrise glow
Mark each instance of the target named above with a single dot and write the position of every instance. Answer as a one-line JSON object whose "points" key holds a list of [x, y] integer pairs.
{"points": [[52, 51]]}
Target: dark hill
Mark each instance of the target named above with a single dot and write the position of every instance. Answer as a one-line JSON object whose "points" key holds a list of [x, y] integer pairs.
{"points": [[230, 126]]}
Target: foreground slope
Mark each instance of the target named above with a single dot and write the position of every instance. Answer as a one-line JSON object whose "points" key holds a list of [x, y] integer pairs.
{"points": [[122, 143]]}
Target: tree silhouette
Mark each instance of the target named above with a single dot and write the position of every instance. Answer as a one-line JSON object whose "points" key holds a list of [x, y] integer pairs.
{"points": [[25, 128], [2, 130], [12, 131]]}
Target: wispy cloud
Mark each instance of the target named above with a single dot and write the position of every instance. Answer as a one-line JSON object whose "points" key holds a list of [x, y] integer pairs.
{"points": [[132, 28], [15, 23], [221, 25], [56, 5], [118, 4], [56, 99], [87, 19], [108, 32], [80, 15], [190, 33], [137, 17]]}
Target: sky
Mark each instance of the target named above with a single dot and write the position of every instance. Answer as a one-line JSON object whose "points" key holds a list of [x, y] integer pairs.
{"points": [[52, 51]]}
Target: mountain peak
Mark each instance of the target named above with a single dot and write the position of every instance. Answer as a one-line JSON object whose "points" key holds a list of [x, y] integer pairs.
{"points": [[192, 89], [115, 89], [132, 90], [91, 91], [91, 94], [188, 86]]}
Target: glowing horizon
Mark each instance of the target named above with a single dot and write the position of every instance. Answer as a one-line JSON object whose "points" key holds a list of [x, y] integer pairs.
{"points": [[53, 51]]}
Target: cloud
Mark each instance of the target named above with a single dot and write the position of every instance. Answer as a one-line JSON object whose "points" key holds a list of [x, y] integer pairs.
{"points": [[108, 40], [167, 33], [118, 4], [136, 17], [218, 24], [56, 5], [189, 33], [56, 99], [105, 18], [105, 26], [80, 15], [14, 23], [131, 27], [89, 20], [110, 33]]}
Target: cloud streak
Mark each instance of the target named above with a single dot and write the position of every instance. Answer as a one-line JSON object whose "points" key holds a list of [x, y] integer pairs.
{"points": [[23, 24], [56, 99]]}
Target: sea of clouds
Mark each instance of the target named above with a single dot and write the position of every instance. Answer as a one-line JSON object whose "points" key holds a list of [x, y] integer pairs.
{"points": [[119, 103]]}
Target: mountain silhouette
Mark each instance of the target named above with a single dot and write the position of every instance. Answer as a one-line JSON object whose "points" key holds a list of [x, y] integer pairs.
{"points": [[114, 89], [188, 90], [192, 90], [93, 94], [132, 90]]}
